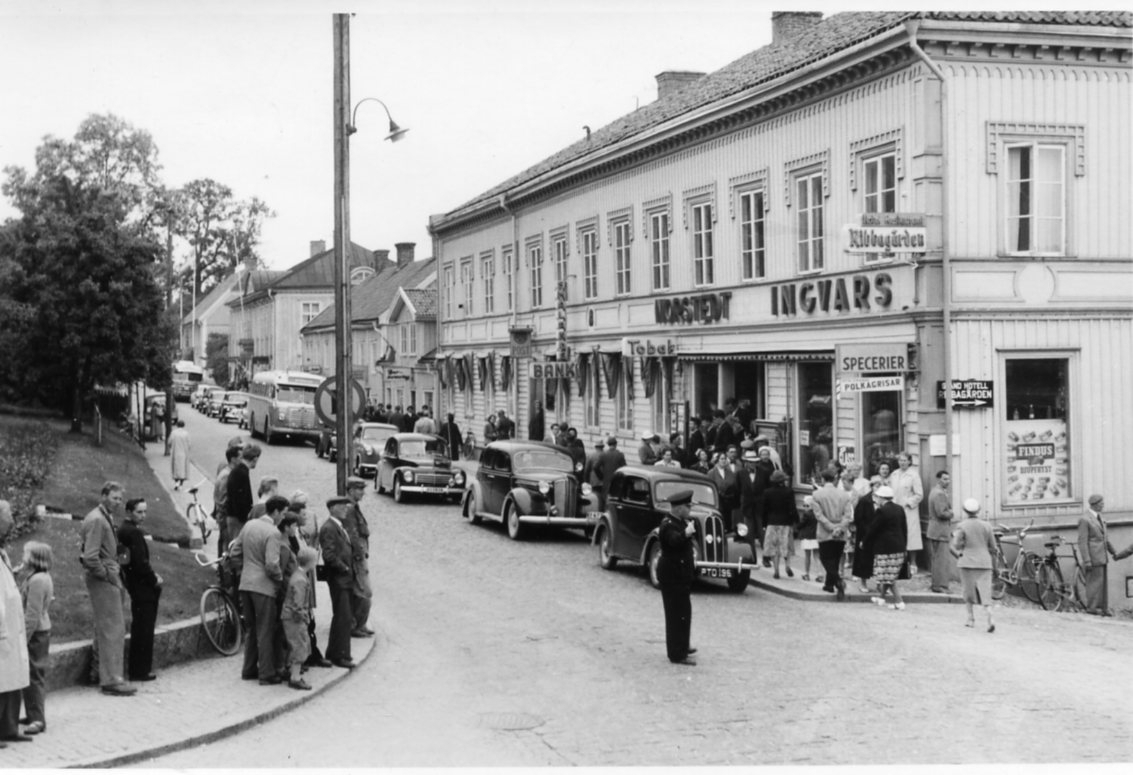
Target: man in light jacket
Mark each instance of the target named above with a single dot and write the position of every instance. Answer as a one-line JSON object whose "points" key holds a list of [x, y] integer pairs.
{"points": [[256, 552]]}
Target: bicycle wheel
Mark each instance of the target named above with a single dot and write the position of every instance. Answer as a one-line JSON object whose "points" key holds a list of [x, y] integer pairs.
{"points": [[1028, 576], [221, 622], [1050, 586], [998, 577]]}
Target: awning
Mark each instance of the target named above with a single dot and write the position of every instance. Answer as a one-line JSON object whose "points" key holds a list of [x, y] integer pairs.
{"points": [[788, 355]]}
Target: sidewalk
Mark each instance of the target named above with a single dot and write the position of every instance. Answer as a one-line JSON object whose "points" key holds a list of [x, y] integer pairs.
{"points": [[811, 590]]}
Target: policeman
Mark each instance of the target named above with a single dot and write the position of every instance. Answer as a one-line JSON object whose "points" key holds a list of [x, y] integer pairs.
{"points": [[675, 570]]}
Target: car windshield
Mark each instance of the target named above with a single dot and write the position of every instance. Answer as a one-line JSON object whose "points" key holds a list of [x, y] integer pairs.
{"points": [[294, 394], [527, 459], [702, 493], [422, 448], [377, 434]]}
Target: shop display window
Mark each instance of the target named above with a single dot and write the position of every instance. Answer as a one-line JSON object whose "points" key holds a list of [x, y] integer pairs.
{"points": [[881, 429], [1036, 436], [816, 420]]}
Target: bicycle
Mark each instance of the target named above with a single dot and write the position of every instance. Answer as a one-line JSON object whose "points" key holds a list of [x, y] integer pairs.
{"points": [[196, 516], [1023, 573], [220, 615], [1054, 593]]}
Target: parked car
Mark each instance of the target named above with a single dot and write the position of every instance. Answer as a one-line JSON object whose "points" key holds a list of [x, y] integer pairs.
{"points": [[232, 408], [638, 500], [216, 401], [525, 483], [369, 438], [201, 396], [417, 463]]}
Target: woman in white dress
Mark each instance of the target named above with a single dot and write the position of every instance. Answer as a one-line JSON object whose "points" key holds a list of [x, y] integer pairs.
{"points": [[908, 492]]}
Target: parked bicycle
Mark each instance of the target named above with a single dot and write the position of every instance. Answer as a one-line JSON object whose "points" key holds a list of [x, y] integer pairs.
{"points": [[195, 514], [1022, 573], [1054, 593], [220, 614]]}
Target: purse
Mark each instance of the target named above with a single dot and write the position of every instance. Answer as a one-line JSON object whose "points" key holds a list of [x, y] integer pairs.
{"points": [[320, 567]]}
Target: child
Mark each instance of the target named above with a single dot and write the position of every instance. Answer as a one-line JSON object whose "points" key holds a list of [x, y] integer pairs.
{"points": [[296, 614], [808, 534], [37, 590]]}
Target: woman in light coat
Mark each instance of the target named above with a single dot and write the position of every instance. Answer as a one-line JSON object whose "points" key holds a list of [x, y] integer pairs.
{"points": [[973, 546], [179, 454], [908, 492], [14, 667]]}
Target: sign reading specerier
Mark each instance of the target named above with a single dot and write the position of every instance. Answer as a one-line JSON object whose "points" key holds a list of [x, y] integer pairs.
{"points": [[866, 358]]}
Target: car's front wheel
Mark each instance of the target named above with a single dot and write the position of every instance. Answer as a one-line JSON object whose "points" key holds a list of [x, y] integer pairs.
{"points": [[652, 561], [739, 582], [606, 557], [511, 520], [398, 492], [470, 511]]}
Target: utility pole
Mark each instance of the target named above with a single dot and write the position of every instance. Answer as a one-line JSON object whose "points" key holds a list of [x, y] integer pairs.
{"points": [[344, 373]]}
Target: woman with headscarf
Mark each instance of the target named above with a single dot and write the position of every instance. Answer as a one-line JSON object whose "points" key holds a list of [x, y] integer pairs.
{"points": [[885, 539], [780, 517]]}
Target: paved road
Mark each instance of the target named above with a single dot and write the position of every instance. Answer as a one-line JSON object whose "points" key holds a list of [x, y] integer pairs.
{"points": [[494, 653]]}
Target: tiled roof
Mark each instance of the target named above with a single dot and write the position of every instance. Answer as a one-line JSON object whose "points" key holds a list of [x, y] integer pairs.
{"points": [[372, 297], [424, 300], [823, 39], [318, 270]]}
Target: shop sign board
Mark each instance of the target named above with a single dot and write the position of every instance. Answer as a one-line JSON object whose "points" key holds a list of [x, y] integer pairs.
{"points": [[703, 308], [845, 294], [967, 393], [867, 358], [1038, 464], [885, 233], [552, 370], [844, 386]]}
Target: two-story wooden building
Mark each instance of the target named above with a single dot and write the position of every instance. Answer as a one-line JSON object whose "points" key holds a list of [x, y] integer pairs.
{"points": [[832, 228]]}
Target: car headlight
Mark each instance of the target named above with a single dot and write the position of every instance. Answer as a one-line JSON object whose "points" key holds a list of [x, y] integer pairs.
{"points": [[741, 530], [578, 467], [407, 476], [586, 489], [544, 487], [458, 478], [367, 449], [280, 416]]}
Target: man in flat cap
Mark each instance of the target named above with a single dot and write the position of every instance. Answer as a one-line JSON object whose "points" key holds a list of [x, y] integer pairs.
{"points": [[645, 452], [1094, 548], [675, 571], [608, 462], [338, 558], [358, 529]]}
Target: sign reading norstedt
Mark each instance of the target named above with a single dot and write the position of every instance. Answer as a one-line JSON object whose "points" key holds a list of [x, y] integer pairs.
{"points": [[967, 392]]}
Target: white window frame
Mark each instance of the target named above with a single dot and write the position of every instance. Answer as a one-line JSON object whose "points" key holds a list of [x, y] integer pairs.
{"points": [[508, 257], [623, 404], [1011, 194], [408, 337], [560, 253], [535, 267], [488, 274], [753, 224], [623, 256], [810, 223], [449, 290], [703, 243], [309, 310], [468, 284], [588, 246], [873, 184], [660, 254]]}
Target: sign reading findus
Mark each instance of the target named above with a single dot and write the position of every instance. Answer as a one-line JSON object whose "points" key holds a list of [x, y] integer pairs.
{"points": [[705, 308], [860, 292]]}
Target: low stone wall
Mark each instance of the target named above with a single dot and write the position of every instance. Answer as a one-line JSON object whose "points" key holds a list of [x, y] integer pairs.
{"points": [[172, 643]]}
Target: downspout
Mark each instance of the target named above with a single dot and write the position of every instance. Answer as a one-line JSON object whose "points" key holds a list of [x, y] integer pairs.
{"points": [[945, 266], [271, 296], [512, 281]]}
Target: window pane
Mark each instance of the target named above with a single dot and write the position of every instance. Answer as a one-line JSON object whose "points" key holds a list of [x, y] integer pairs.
{"points": [[881, 416], [1037, 440], [816, 419]]}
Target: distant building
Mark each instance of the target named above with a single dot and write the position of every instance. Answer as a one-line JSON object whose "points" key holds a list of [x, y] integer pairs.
{"points": [[211, 316]]}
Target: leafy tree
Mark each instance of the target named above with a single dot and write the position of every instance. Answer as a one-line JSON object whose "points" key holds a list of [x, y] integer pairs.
{"points": [[83, 265], [216, 357], [221, 232]]}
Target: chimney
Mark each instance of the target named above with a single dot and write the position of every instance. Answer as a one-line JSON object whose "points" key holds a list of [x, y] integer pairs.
{"points": [[786, 25], [318, 246], [674, 80], [404, 253], [381, 260]]}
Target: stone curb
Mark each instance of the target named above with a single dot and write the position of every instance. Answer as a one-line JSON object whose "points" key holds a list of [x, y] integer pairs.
{"points": [[141, 754], [851, 597]]}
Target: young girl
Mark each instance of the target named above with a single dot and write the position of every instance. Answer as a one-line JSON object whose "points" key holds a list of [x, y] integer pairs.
{"points": [[296, 614], [808, 534], [37, 590]]}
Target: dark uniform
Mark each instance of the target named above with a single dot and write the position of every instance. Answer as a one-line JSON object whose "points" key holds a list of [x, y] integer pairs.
{"points": [[675, 571]]}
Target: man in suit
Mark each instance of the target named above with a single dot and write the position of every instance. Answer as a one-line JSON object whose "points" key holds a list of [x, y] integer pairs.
{"points": [[645, 452], [338, 559], [240, 499], [535, 428], [256, 553], [575, 446], [939, 532], [696, 437], [505, 428], [144, 586], [590, 469], [727, 486], [361, 594], [104, 585], [608, 462], [1094, 548], [396, 417], [450, 432]]}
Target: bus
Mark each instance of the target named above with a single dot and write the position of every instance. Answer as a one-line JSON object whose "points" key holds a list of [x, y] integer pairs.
{"points": [[282, 403], [187, 377]]}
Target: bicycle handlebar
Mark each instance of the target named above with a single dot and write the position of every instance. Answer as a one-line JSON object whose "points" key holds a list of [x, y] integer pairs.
{"points": [[205, 563]]}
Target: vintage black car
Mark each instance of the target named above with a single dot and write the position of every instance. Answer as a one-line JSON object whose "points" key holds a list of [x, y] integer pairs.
{"points": [[418, 463], [636, 503], [525, 483], [232, 408], [369, 439]]}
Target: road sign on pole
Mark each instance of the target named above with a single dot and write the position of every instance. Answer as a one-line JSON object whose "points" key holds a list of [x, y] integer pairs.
{"points": [[326, 401]]}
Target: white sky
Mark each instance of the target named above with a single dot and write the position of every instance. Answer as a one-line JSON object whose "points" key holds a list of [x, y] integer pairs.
{"points": [[241, 91]]}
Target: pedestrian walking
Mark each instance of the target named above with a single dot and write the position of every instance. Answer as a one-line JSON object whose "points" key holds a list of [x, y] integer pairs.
{"points": [[807, 535], [15, 670], [296, 616], [834, 515], [939, 532], [38, 591], [886, 541], [102, 574], [450, 432], [179, 454], [144, 586], [256, 552], [781, 515], [862, 566], [908, 492], [675, 570], [361, 593], [973, 546], [609, 461], [338, 561], [1094, 548]]}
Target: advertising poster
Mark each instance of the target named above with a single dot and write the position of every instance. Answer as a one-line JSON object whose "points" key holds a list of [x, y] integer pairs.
{"points": [[1038, 461]]}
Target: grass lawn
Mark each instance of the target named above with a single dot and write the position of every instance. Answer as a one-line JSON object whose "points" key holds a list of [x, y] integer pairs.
{"points": [[74, 478]]}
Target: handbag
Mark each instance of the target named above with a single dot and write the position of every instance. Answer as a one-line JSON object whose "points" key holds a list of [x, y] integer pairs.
{"points": [[320, 567]]}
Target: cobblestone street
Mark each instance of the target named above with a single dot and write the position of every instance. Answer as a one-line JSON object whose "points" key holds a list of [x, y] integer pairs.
{"points": [[492, 653]]}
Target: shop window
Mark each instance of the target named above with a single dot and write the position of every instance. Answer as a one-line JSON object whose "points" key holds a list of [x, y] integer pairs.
{"points": [[1036, 436], [623, 404], [881, 429], [816, 420]]}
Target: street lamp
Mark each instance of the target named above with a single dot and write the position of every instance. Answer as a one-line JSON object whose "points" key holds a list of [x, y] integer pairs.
{"points": [[343, 128]]}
